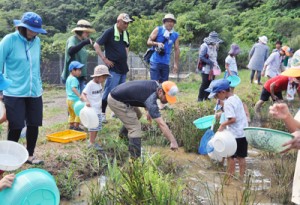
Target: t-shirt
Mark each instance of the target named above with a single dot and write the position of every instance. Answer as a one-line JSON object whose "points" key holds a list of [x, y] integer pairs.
{"points": [[94, 94], [139, 93], [281, 83], [72, 82], [115, 50], [230, 60], [233, 108]]}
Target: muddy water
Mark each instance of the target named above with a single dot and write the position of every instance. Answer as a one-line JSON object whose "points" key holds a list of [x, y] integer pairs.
{"points": [[199, 172]]}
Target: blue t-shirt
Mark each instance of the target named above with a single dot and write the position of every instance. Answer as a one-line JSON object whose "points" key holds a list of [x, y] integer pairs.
{"points": [[168, 44], [72, 82]]}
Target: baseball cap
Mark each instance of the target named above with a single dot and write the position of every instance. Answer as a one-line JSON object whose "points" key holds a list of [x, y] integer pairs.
{"points": [[74, 65], [170, 90], [100, 70], [294, 71], [124, 17], [218, 86]]}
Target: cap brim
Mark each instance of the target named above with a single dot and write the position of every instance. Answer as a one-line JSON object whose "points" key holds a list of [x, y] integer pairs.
{"points": [[18, 23], [171, 99], [211, 95], [108, 75], [291, 72]]}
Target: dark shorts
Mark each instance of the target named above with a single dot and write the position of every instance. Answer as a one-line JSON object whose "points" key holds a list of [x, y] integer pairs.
{"points": [[21, 109], [242, 148], [265, 95]]}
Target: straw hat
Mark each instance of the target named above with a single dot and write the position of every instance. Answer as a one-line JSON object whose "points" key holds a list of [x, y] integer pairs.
{"points": [[83, 25], [294, 71], [100, 70]]}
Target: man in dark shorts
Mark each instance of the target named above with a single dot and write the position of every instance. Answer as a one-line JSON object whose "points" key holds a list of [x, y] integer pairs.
{"points": [[116, 44], [273, 88], [125, 101]]}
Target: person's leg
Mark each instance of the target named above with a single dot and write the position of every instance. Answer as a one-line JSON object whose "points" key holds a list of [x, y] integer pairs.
{"points": [[252, 75], [264, 97], [129, 117], [242, 165], [93, 135], [258, 105], [165, 71], [15, 113], [34, 118], [71, 118], [204, 84], [259, 77], [230, 170], [154, 71]]}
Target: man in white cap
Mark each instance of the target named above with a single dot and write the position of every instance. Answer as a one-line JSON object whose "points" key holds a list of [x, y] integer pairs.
{"points": [[162, 39], [116, 44]]}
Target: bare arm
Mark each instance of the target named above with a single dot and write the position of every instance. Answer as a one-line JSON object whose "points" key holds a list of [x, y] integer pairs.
{"points": [[74, 89], [102, 56], [152, 37], [227, 122], [85, 99], [272, 87], [167, 133]]}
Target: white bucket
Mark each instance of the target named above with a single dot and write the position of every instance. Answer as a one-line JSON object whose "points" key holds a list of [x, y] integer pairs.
{"points": [[213, 154], [224, 143], [89, 117], [12, 155]]}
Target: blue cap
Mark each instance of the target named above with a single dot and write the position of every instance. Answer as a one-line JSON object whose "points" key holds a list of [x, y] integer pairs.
{"points": [[75, 65], [218, 86], [31, 21]]}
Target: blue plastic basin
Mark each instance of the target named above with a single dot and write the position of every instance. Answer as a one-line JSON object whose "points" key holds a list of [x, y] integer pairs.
{"points": [[204, 122], [31, 187], [234, 80]]}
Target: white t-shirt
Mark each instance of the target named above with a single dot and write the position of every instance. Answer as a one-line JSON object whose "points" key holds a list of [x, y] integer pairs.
{"points": [[230, 60], [94, 94], [233, 108]]}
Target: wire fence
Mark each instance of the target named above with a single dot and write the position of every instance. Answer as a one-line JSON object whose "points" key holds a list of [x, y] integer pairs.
{"points": [[52, 67]]}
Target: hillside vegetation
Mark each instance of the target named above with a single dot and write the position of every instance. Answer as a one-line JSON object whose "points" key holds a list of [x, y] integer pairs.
{"points": [[239, 21]]}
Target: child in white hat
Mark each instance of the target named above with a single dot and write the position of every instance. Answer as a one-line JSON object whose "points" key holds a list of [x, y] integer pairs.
{"points": [[92, 95]]}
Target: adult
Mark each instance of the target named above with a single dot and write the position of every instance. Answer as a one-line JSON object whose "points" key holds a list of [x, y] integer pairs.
{"points": [[76, 51], [116, 44], [20, 58], [124, 102], [258, 55], [272, 66], [273, 88], [208, 56], [162, 38], [281, 111]]}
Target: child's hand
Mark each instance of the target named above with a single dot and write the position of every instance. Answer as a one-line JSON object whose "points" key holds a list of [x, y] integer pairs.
{"points": [[221, 128]]}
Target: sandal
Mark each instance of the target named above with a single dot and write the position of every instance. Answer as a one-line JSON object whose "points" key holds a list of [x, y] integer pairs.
{"points": [[35, 161]]}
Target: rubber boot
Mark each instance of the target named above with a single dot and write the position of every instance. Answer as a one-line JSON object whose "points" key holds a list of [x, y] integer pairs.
{"points": [[123, 132], [134, 147]]}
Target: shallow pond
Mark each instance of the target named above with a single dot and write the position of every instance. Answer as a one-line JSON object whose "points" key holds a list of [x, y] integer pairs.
{"points": [[199, 173]]}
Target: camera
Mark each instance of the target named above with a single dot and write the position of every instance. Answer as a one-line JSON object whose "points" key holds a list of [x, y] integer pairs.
{"points": [[160, 50]]}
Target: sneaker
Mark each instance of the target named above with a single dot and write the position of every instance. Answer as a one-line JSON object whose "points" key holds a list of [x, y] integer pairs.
{"points": [[78, 129], [95, 146], [103, 116], [113, 115]]}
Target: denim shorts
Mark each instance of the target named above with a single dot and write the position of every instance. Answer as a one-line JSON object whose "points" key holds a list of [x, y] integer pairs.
{"points": [[159, 72]]}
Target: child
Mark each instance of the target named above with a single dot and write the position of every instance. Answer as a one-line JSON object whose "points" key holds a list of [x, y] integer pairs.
{"points": [[92, 95], [73, 93], [235, 121], [230, 62]]}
